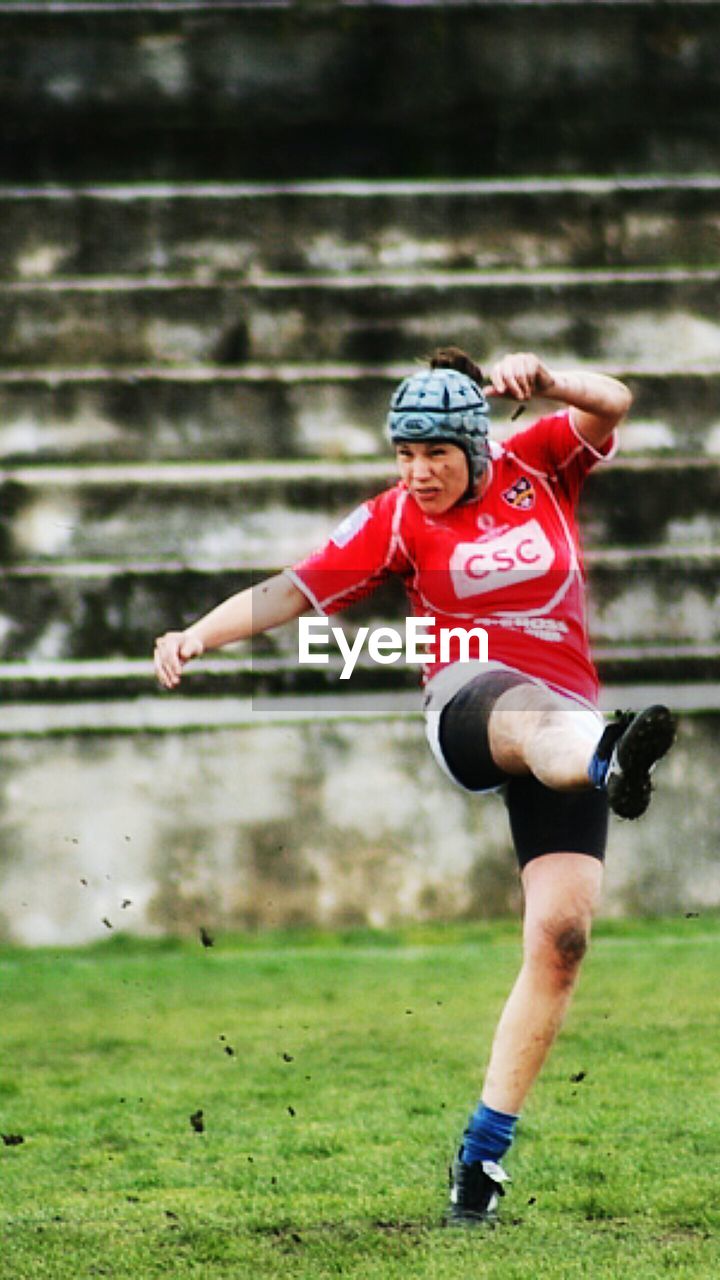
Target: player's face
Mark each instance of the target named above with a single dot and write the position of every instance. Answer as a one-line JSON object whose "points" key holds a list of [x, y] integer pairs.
{"points": [[435, 473]]}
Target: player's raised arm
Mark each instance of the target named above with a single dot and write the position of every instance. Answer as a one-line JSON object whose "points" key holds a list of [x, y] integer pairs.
{"points": [[599, 401], [260, 608]]}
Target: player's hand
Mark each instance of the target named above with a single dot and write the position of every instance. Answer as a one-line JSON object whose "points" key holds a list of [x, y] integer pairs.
{"points": [[521, 376], [172, 652]]}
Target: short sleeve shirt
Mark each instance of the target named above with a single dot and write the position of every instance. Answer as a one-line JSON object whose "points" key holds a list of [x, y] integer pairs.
{"points": [[508, 561]]}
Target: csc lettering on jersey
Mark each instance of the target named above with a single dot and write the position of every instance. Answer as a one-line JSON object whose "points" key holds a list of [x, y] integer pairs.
{"points": [[478, 567]]}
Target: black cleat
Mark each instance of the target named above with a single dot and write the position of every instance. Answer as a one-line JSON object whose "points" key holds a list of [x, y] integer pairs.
{"points": [[474, 1192], [644, 741]]}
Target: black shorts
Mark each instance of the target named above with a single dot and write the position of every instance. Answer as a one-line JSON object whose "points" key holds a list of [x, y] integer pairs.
{"points": [[541, 820]]}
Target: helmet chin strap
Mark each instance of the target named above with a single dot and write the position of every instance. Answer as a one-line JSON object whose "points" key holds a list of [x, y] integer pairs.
{"points": [[477, 485]]}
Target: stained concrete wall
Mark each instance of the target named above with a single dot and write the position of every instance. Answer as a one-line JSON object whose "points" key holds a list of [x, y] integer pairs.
{"points": [[332, 823]]}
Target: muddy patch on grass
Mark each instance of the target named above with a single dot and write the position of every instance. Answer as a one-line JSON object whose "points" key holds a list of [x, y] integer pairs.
{"points": [[388, 1227], [292, 1236]]}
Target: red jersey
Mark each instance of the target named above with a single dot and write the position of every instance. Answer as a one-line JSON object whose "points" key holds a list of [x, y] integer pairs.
{"points": [[508, 561]]}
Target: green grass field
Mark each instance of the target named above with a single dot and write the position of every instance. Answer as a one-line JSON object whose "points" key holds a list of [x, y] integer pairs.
{"points": [[334, 1075]]}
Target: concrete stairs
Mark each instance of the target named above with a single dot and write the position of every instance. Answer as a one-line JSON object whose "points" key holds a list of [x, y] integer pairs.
{"points": [[202, 324], [135, 494], [93, 455]]}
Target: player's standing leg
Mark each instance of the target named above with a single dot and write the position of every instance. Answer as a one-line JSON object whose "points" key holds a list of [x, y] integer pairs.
{"points": [[561, 892]]}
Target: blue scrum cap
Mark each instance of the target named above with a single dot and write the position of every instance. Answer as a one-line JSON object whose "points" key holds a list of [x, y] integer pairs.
{"points": [[442, 404]]}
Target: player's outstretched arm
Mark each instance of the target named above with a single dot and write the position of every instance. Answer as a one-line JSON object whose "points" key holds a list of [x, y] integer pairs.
{"points": [[250, 612], [600, 402]]}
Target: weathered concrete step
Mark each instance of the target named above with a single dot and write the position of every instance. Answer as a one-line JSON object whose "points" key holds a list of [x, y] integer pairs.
{"points": [[240, 515], [253, 90], [208, 231], [605, 315], [661, 600], [228, 514], [115, 680], [204, 412], [162, 714], [291, 411], [156, 713]]}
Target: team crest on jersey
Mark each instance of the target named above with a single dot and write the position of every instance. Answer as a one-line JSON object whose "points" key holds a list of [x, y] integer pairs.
{"points": [[521, 495]]}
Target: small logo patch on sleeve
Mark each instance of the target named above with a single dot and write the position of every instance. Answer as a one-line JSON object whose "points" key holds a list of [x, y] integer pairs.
{"points": [[350, 527]]}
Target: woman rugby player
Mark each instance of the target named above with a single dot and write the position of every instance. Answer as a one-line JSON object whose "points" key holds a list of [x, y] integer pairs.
{"points": [[484, 535]]}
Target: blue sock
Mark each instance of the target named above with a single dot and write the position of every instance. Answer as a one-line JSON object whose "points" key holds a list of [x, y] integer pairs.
{"points": [[597, 771], [488, 1134]]}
